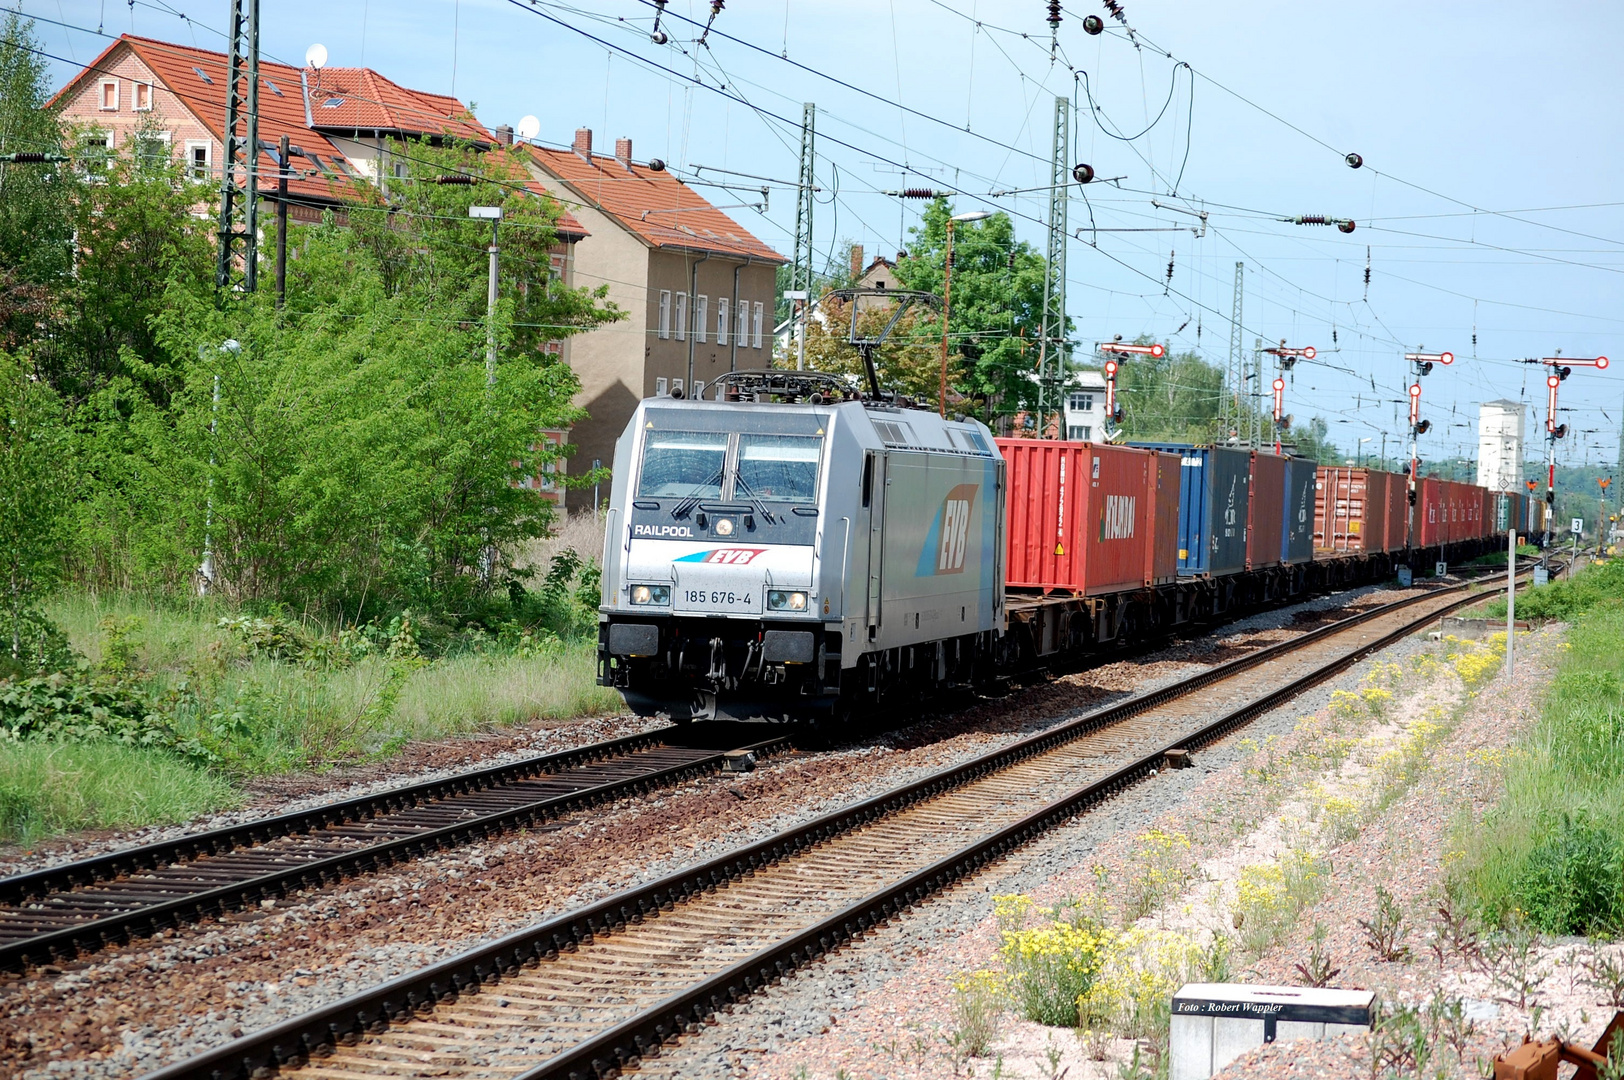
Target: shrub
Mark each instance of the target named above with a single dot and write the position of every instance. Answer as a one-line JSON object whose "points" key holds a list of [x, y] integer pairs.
{"points": [[1158, 869], [978, 1001], [1573, 880], [1141, 971]]}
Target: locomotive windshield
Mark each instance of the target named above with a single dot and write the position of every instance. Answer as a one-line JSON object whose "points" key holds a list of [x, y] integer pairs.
{"points": [[779, 468], [684, 464], [717, 464]]}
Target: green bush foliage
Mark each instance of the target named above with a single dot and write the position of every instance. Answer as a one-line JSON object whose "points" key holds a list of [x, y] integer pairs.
{"points": [[1596, 586]]}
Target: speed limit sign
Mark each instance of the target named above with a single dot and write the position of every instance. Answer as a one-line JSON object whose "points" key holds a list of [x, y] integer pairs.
{"points": [[1577, 527]]}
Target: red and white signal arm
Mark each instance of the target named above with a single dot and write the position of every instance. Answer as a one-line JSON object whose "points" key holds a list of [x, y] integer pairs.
{"points": [[1445, 358], [1126, 349], [1598, 362]]}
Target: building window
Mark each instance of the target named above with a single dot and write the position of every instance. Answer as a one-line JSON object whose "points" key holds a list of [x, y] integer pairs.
{"points": [[141, 96], [699, 389], [665, 313], [95, 149], [721, 320], [701, 316], [151, 149], [682, 316], [1079, 432], [757, 324], [676, 387], [401, 170], [109, 95], [198, 155], [744, 324], [660, 386], [1079, 402]]}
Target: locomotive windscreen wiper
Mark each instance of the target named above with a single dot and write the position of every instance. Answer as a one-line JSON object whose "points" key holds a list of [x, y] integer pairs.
{"points": [[686, 506], [739, 484]]}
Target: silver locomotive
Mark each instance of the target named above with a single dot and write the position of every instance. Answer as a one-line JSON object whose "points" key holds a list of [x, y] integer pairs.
{"points": [[786, 554]]}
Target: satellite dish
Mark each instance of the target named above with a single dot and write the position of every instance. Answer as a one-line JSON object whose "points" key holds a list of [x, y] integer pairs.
{"points": [[529, 127], [316, 56]]}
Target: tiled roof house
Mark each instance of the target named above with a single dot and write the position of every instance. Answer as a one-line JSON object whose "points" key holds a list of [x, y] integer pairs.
{"points": [[698, 286]]}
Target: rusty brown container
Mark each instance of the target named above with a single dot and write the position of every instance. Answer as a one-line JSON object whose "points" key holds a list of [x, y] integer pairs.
{"points": [[1350, 510], [1267, 514], [1089, 518]]}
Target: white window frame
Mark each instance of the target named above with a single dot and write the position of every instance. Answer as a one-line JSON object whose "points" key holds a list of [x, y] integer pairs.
{"points": [[701, 317], [661, 387], [103, 139], [139, 137], [665, 313], [101, 95], [744, 324], [699, 389], [207, 146], [1081, 401], [681, 316], [757, 323], [676, 386], [136, 86], [721, 320], [1079, 432]]}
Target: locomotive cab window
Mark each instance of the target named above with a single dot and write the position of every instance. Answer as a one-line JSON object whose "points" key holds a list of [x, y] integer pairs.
{"points": [[683, 464], [779, 468]]}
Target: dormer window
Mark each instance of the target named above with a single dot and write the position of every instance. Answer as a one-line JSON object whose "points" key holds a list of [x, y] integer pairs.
{"points": [[203, 75], [272, 87], [332, 103]]}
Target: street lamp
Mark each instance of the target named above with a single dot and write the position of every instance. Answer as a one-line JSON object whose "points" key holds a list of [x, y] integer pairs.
{"points": [[947, 294], [1362, 451], [494, 215]]}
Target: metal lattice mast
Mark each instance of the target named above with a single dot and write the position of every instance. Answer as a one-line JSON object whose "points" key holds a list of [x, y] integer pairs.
{"points": [[1052, 336], [238, 255], [1233, 412], [801, 268], [1254, 390]]}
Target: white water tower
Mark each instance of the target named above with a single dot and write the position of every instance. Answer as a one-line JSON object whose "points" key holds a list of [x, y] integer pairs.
{"points": [[1500, 445]]}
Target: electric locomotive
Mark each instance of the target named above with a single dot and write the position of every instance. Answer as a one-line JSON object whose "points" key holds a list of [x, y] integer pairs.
{"points": [[789, 552]]}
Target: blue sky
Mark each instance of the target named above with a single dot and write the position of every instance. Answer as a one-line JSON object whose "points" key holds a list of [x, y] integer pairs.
{"points": [[1475, 120]]}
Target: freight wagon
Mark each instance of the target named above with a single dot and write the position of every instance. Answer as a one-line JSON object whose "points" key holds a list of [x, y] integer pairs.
{"points": [[790, 551]]}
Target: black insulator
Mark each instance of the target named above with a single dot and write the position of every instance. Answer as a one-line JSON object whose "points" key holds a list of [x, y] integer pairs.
{"points": [[1093, 24], [1054, 13], [1116, 11], [656, 165], [1082, 173], [1354, 161], [1367, 276], [458, 180], [1345, 226], [919, 193], [28, 157]]}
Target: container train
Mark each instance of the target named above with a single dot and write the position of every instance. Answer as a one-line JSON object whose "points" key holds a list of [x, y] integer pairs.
{"points": [[788, 553]]}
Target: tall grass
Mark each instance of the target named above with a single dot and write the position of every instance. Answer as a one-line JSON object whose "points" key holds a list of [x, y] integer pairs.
{"points": [[51, 787], [1552, 849]]}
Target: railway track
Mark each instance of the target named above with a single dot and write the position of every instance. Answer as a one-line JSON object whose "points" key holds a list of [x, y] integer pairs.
{"points": [[588, 994], [65, 911]]}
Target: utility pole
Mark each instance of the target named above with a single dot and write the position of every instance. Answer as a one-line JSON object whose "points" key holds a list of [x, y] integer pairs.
{"points": [[494, 215], [282, 221], [239, 183], [1052, 336], [801, 271], [1232, 401]]}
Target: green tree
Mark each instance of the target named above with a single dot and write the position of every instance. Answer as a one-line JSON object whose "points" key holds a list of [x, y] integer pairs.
{"points": [[1172, 398], [909, 361], [996, 307], [36, 474], [35, 199]]}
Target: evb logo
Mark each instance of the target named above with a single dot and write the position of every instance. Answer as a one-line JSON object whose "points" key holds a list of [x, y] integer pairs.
{"points": [[949, 536]]}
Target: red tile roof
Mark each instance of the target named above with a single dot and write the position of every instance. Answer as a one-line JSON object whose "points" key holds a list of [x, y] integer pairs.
{"points": [[370, 103], [655, 206]]}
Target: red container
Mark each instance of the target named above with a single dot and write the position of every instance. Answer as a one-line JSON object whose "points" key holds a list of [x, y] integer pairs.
{"points": [[1399, 511], [1090, 518], [1266, 515], [1430, 513], [1350, 510]]}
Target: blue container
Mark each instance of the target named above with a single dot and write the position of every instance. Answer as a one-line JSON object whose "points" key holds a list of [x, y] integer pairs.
{"points": [[1297, 533], [1214, 487]]}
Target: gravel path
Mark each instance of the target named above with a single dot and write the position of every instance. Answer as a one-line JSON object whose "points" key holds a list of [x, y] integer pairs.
{"points": [[133, 1008]]}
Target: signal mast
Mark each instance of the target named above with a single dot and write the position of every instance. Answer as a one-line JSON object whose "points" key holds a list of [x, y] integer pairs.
{"points": [[1420, 364], [1284, 360], [1112, 349], [1560, 370]]}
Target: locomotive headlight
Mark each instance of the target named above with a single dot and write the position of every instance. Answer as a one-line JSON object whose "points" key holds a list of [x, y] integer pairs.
{"points": [[785, 601], [724, 526], [651, 594]]}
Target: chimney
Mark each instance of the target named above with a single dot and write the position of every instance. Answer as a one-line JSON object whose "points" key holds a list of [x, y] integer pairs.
{"points": [[856, 261], [504, 135], [583, 142], [623, 153]]}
